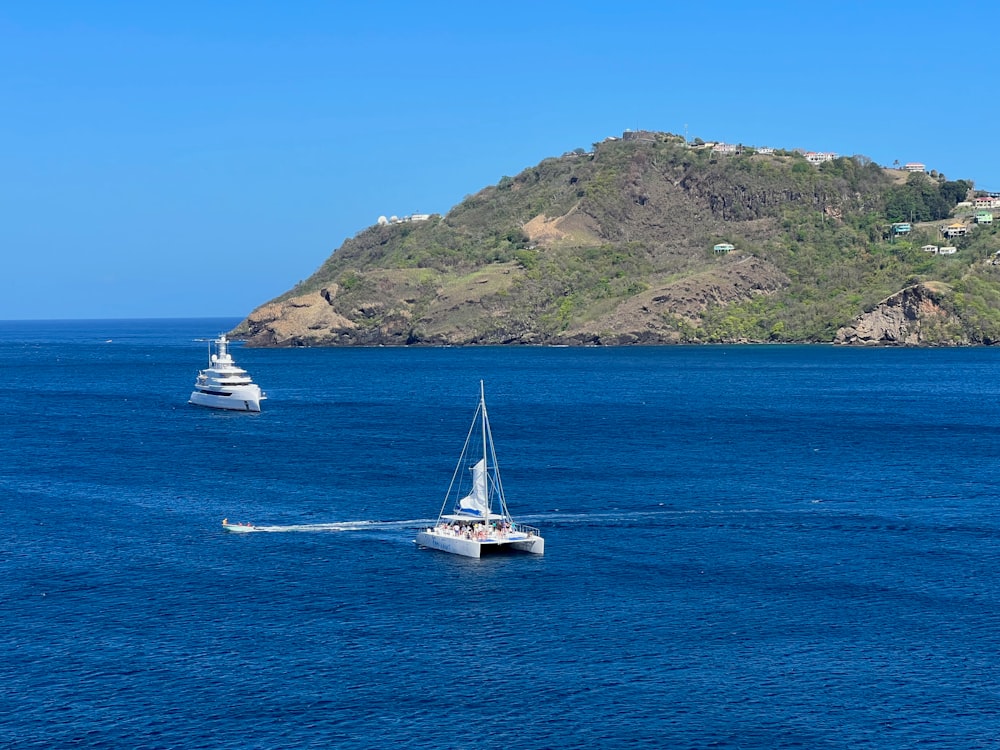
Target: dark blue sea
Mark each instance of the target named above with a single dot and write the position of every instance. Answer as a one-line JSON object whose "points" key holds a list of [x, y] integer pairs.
{"points": [[746, 547]]}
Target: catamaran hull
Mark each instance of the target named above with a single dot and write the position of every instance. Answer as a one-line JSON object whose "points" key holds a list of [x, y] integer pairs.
{"points": [[535, 545], [477, 548], [235, 402]]}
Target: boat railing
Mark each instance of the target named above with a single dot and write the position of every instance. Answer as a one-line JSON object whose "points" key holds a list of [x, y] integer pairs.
{"points": [[529, 530]]}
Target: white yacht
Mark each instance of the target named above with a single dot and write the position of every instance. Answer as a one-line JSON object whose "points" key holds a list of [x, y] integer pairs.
{"points": [[479, 523], [225, 385]]}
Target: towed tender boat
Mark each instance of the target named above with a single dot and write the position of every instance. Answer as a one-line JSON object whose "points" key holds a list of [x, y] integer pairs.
{"points": [[478, 522], [225, 385], [239, 528]]}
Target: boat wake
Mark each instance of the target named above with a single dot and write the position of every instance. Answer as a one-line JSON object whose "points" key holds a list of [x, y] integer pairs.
{"points": [[338, 526], [553, 518]]}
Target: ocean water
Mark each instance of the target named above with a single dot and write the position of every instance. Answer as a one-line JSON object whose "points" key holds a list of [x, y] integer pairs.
{"points": [[746, 547]]}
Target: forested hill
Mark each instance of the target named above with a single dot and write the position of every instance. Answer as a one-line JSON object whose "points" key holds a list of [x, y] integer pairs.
{"points": [[653, 240]]}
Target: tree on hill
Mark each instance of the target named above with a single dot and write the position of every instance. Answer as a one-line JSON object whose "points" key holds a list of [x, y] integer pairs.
{"points": [[955, 191], [921, 199]]}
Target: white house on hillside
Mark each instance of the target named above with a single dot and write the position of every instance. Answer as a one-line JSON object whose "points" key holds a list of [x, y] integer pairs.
{"points": [[817, 157], [725, 148]]}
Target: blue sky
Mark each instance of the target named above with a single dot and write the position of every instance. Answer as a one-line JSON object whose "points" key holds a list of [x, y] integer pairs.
{"points": [[197, 159]]}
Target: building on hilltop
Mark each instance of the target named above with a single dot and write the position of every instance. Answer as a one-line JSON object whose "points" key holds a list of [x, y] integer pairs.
{"points": [[726, 148], [901, 227], [724, 247], [983, 217], [818, 157], [639, 135], [382, 221], [954, 230], [915, 166]]}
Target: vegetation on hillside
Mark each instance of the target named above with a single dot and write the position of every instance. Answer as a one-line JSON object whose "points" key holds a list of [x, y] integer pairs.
{"points": [[576, 237]]}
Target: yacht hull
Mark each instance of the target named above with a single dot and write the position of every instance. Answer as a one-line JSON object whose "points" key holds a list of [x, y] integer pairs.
{"points": [[235, 402]]}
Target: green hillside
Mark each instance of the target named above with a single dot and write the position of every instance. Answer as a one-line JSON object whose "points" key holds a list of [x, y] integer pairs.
{"points": [[617, 246]]}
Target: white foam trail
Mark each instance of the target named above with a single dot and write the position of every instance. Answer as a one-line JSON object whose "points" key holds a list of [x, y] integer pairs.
{"points": [[338, 526], [611, 518]]}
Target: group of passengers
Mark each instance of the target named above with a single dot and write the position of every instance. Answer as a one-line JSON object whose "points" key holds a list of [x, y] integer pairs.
{"points": [[478, 531]]}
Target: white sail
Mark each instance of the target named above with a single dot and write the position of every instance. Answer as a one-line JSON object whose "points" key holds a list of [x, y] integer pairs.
{"points": [[476, 502]]}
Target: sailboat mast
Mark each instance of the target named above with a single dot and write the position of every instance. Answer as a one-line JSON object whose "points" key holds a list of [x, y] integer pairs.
{"points": [[486, 465]]}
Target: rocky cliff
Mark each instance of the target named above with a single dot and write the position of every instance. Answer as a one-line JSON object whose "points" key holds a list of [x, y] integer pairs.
{"points": [[915, 316]]}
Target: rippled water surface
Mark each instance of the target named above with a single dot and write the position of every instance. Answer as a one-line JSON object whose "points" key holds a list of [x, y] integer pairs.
{"points": [[746, 547]]}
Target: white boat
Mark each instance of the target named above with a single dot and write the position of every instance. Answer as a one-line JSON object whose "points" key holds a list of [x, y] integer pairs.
{"points": [[225, 385], [474, 519], [239, 528]]}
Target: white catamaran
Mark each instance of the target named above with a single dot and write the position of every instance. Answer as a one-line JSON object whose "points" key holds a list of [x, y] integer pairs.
{"points": [[478, 521]]}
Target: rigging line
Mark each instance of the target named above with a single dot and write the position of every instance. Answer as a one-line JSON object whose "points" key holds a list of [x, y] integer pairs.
{"points": [[498, 482], [458, 466], [495, 477]]}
